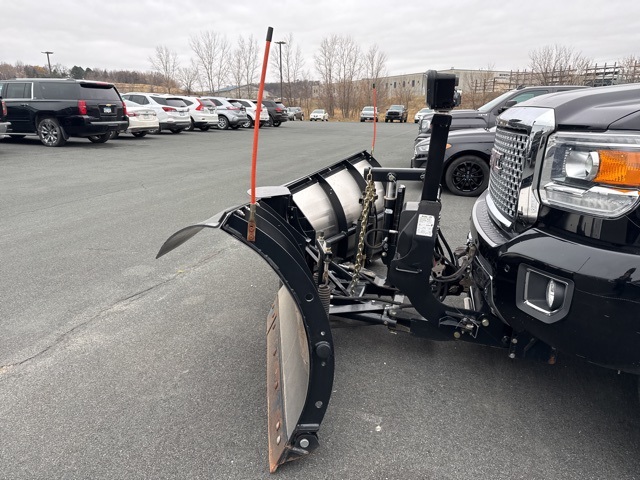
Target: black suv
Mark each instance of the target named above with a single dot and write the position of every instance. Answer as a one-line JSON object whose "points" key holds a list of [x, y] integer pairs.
{"points": [[485, 116], [277, 112], [56, 109], [396, 112], [3, 116]]}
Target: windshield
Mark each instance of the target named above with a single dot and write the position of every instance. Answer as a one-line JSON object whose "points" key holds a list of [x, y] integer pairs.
{"points": [[367, 109], [318, 111], [425, 110], [395, 107], [487, 107]]}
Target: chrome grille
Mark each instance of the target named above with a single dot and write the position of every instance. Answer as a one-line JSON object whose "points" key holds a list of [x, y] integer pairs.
{"points": [[506, 172]]}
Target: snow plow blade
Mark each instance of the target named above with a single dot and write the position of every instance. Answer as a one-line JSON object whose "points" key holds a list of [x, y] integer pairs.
{"points": [[300, 357]]}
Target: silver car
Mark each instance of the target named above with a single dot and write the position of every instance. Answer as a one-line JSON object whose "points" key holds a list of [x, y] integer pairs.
{"points": [[229, 115]]}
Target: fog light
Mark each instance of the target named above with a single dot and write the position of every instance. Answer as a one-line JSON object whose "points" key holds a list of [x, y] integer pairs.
{"points": [[545, 298], [554, 294]]}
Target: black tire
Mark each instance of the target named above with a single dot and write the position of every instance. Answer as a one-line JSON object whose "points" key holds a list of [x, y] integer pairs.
{"points": [[176, 130], [386, 120], [277, 123], [235, 127], [248, 124], [114, 134], [155, 131], [223, 122], [139, 134], [467, 176], [50, 132], [191, 126], [205, 128]]}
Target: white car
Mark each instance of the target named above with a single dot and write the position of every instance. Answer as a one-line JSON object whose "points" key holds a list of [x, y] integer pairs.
{"points": [[319, 114], [421, 113], [172, 113], [142, 120], [203, 113], [251, 107]]}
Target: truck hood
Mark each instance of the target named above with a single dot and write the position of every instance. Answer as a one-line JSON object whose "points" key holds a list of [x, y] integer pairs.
{"points": [[597, 109]]}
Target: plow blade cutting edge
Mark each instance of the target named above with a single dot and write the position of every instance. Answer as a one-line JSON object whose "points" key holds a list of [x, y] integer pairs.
{"points": [[300, 356]]}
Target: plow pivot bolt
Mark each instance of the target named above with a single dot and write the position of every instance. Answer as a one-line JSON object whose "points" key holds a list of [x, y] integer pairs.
{"points": [[456, 335], [304, 443], [485, 322], [323, 349], [512, 355], [514, 340], [278, 440]]}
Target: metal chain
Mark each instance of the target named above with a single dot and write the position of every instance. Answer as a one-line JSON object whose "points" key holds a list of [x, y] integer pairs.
{"points": [[369, 196]]}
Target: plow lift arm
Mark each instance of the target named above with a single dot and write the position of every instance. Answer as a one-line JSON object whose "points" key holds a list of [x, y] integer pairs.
{"points": [[321, 234]]}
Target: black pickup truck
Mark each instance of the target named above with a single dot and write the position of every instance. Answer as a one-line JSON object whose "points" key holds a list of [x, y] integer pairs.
{"points": [[558, 230], [485, 116]]}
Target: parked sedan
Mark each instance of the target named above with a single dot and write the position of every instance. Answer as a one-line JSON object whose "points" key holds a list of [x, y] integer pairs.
{"points": [[319, 115], [466, 163], [142, 120]]}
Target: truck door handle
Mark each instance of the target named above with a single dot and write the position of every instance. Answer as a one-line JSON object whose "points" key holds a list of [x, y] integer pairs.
{"points": [[24, 104]]}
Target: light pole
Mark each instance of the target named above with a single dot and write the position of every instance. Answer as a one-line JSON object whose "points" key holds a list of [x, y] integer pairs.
{"points": [[280, 43], [49, 61]]}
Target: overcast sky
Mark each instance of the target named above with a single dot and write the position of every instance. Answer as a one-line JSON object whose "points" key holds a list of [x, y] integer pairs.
{"points": [[416, 35]]}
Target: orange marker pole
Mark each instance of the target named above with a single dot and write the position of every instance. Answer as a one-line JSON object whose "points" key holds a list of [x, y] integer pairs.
{"points": [[251, 227]]}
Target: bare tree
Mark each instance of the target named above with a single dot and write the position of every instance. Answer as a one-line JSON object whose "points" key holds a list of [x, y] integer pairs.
{"points": [[244, 64], [165, 62], [251, 63], [212, 51], [557, 65], [188, 76], [325, 65], [348, 67], [375, 68]]}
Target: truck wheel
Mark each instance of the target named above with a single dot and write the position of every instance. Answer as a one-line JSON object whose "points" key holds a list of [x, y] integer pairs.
{"points": [[191, 126], [100, 138], [50, 132], [223, 123], [467, 176]]}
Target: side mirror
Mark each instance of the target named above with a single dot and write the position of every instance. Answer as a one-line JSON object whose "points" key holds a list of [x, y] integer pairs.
{"points": [[507, 105]]}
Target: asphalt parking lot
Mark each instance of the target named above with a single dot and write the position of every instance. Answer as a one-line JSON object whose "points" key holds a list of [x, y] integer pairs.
{"points": [[116, 365]]}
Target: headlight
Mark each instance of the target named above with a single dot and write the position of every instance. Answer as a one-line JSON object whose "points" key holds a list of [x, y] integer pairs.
{"points": [[593, 173], [422, 148], [425, 123]]}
